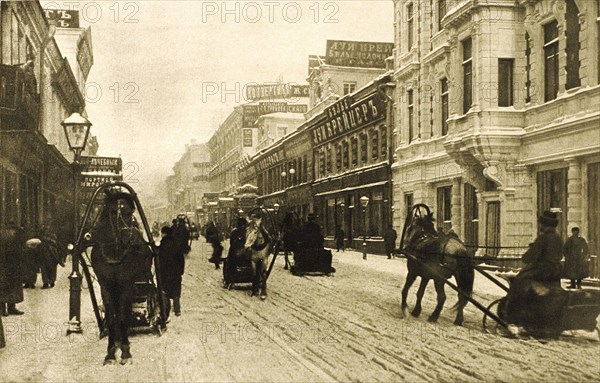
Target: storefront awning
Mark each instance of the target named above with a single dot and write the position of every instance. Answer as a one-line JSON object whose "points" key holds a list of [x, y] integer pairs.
{"points": [[367, 186]]}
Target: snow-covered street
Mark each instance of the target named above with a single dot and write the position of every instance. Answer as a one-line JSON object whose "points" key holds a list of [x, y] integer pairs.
{"points": [[347, 327]]}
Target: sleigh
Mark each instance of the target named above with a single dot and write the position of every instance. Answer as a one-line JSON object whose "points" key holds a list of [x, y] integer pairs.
{"points": [[312, 261], [545, 310]]}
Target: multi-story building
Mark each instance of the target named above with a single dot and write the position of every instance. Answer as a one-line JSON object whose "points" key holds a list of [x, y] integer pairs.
{"points": [[190, 180], [272, 127], [40, 89], [497, 116]]}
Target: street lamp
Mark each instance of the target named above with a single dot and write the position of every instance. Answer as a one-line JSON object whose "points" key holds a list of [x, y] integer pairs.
{"points": [[364, 201], [77, 130]]}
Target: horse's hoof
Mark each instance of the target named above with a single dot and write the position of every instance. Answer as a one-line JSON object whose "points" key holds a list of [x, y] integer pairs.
{"points": [[263, 297], [432, 319], [125, 361], [415, 313], [109, 361], [285, 267], [458, 322]]}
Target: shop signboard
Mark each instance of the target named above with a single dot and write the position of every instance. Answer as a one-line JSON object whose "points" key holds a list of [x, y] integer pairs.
{"points": [[101, 164], [362, 54]]}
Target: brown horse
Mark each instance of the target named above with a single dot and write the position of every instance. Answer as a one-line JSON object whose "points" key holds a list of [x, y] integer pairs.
{"points": [[436, 256], [120, 257]]}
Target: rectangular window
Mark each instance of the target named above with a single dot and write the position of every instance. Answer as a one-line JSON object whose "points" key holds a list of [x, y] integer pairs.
{"points": [[445, 95], [338, 157], [550, 61], [321, 163], [408, 203], [467, 75], [505, 82], [572, 44], [441, 12], [349, 87], [552, 195], [375, 144], [444, 208], [354, 150], [383, 140], [471, 217], [411, 128], [363, 148], [492, 228], [410, 24], [329, 161], [305, 169], [527, 68], [346, 154]]}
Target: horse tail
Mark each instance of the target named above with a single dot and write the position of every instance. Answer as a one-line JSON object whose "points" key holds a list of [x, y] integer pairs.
{"points": [[465, 277]]}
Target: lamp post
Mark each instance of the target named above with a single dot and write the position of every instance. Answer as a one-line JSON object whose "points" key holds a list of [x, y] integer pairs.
{"points": [[77, 129], [364, 201]]}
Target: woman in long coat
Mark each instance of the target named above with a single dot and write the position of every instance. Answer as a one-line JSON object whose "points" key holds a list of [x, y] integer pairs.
{"points": [[172, 265], [12, 242]]}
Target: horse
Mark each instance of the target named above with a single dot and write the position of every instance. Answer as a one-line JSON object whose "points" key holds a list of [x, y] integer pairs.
{"points": [[120, 257], [439, 256], [258, 245]]}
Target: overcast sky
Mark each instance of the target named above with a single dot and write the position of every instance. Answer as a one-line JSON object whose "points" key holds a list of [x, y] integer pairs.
{"points": [[152, 60]]}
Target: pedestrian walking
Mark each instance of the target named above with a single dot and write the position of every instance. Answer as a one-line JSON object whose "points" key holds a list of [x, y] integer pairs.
{"points": [[49, 258], [12, 242], [181, 233], [213, 236], [576, 254], [172, 267], [339, 238], [389, 238], [31, 260]]}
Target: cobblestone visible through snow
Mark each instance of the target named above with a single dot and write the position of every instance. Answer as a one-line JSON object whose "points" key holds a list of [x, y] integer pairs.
{"points": [[347, 327]]}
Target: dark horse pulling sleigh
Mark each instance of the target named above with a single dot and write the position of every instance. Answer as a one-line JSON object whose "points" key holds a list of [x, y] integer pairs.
{"points": [[542, 309], [124, 263]]}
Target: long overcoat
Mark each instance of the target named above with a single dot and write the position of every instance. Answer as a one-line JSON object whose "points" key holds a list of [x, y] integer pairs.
{"points": [[576, 258], [172, 266], [542, 259], [11, 267]]}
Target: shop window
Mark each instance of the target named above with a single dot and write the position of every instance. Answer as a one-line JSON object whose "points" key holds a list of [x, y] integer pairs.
{"points": [[467, 74], [330, 220], [593, 231], [445, 104], [505, 82], [363, 148], [354, 150], [411, 110], [444, 208], [375, 144], [410, 25], [550, 61], [527, 68], [375, 213]]}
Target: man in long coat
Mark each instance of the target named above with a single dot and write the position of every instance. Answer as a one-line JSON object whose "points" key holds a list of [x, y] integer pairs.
{"points": [[576, 258], [213, 236], [12, 242], [389, 238], [172, 266]]}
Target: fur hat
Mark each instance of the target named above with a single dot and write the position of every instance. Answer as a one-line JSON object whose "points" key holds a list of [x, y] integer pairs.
{"points": [[549, 218], [241, 221], [256, 213]]}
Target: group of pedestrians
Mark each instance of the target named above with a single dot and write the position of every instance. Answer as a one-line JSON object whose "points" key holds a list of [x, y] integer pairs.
{"points": [[22, 257]]}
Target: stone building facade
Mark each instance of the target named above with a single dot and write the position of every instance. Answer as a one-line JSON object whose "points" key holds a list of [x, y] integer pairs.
{"points": [[496, 109]]}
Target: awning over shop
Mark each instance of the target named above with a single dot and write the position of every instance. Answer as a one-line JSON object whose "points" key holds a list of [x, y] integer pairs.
{"points": [[367, 186]]}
